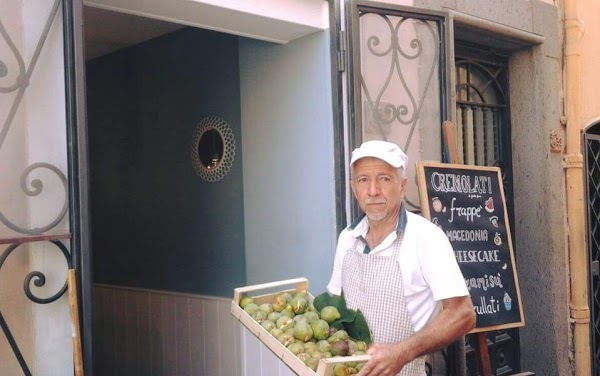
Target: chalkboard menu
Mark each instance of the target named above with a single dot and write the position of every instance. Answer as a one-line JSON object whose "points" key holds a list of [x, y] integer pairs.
{"points": [[468, 203]]}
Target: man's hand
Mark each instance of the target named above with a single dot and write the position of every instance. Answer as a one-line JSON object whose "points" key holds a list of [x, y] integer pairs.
{"points": [[386, 360], [455, 320]]}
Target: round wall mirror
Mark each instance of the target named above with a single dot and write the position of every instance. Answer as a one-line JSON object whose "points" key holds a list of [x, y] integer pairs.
{"points": [[213, 148], [210, 148]]}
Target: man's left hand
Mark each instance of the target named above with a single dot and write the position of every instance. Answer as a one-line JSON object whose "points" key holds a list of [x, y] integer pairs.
{"points": [[386, 360]]}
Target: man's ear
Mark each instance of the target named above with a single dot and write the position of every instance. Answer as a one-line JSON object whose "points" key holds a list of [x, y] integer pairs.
{"points": [[352, 187], [403, 184]]}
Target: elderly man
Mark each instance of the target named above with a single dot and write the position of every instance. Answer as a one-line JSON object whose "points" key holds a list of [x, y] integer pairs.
{"points": [[398, 268]]}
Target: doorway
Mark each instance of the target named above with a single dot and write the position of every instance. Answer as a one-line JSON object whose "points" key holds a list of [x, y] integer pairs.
{"points": [[171, 243]]}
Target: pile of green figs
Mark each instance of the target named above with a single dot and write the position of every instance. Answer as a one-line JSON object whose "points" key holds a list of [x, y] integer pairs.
{"points": [[297, 325]]}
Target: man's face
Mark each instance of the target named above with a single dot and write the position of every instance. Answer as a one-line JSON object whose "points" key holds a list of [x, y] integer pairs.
{"points": [[378, 188]]}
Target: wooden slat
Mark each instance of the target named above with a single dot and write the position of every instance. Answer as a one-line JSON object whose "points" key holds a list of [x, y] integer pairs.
{"points": [[197, 346], [182, 336], [449, 131], [75, 328], [120, 334], [213, 339], [169, 347], [142, 302], [227, 345], [155, 345], [34, 238]]}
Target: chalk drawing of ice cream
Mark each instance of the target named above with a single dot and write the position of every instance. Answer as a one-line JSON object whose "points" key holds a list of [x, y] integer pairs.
{"points": [[507, 301], [437, 204], [494, 220], [489, 205], [497, 239]]}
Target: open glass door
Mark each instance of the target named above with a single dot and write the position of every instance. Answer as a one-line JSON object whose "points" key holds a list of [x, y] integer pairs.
{"points": [[398, 80], [397, 84], [40, 200]]}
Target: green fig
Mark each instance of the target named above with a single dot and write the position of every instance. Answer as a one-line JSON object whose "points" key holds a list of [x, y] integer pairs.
{"points": [[323, 346], [312, 363], [276, 332], [288, 311], [267, 308], [296, 348], [340, 335], [251, 308], [303, 331], [303, 356], [274, 316], [259, 316], [330, 314], [301, 294], [285, 323], [320, 329], [245, 301], [285, 339], [286, 296], [361, 346], [299, 318], [352, 347], [268, 325], [311, 317], [340, 369], [310, 347], [299, 305], [279, 303]]}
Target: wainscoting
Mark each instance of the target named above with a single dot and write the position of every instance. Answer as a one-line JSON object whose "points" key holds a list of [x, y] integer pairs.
{"points": [[150, 333], [154, 333]]}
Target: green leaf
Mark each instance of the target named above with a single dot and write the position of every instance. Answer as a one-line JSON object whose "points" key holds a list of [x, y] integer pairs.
{"points": [[325, 299], [351, 321], [358, 328]]}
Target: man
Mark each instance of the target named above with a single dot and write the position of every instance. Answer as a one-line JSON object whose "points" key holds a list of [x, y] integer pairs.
{"points": [[398, 268]]}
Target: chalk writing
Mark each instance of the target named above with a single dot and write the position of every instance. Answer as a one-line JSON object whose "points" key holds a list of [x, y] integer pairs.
{"points": [[461, 183], [469, 212]]}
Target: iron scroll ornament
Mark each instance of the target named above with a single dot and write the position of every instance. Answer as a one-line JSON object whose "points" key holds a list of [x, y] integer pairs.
{"points": [[213, 137], [38, 278]]}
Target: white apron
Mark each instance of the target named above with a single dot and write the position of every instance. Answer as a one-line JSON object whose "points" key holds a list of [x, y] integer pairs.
{"points": [[374, 285]]}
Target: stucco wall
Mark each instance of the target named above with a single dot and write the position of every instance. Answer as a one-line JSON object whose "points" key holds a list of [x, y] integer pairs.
{"points": [[535, 80], [589, 12]]}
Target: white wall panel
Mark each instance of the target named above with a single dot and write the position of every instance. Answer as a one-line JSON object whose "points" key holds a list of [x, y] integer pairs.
{"points": [[145, 332]]}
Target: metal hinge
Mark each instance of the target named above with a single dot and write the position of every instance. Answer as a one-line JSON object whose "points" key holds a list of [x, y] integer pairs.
{"points": [[342, 51], [595, 269]]}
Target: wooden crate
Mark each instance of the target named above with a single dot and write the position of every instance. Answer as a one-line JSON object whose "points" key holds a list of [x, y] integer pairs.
{"points": [[325, 367]]}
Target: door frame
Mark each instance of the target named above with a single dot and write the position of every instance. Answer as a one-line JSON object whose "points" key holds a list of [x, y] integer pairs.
{"points": [[79, 202]]}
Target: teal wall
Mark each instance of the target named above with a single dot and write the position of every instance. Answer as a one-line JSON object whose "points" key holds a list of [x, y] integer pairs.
{"points": [[155, 223], [289, 196]]}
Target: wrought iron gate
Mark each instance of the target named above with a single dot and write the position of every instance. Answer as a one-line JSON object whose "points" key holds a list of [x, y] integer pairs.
{"points": [[483, 138], [592, 168], [39, 219]]}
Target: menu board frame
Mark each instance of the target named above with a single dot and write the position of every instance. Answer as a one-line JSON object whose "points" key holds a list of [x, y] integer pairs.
{"points": [[492, 184]]}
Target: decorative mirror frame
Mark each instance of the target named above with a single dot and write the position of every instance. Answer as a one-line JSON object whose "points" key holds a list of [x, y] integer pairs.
{"points": [[221, 169]]}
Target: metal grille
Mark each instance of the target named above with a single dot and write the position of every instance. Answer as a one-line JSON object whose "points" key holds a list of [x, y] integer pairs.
{"points": [[592, 149], [480, 113], [483, 138], [400, 90]]}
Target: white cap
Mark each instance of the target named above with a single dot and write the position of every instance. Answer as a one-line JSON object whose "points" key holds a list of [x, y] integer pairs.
{"points": [[386, 151]]}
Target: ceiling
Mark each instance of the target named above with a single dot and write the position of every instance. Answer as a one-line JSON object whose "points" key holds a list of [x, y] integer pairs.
{"points": [[114, 24], [108, 31]]}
